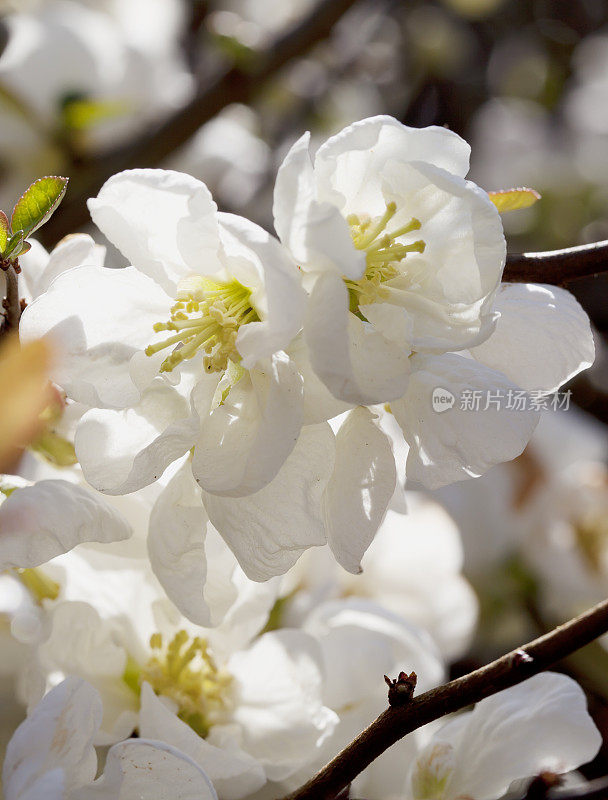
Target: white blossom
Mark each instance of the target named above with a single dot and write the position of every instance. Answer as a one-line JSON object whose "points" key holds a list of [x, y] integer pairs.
{"points": [[51, 756], [404, 259]]}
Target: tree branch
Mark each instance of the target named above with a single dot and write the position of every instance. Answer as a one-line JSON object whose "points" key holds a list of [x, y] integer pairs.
{"points": [[228, 85], [12, 303], [397, 721], [557, 266]]}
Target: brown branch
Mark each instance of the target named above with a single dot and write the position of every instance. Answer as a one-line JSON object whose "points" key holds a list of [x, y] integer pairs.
{"points": [[11, 303], [397, 721], [228, 85], [557, 266]]}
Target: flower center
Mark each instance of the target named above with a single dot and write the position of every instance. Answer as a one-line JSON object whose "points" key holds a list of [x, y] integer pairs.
{"points": [[185, 671], [207, 316], [383, 254]]}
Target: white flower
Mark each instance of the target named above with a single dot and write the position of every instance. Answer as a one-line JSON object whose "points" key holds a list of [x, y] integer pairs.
{"points": [[239, 302], [244, 710], [404, 260], [539, 725], [51, 756], [412, 568]]}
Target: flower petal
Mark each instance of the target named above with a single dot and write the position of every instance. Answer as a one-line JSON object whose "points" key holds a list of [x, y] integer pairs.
{"points": [[295, 720], [542, 339], [57, 734], [283, 295], [233, 772], [361, 486], [99, 319], [51, 517], [122, 451], [316, 233], [356, 363], [539, 725], [73, 251], [176, 545], [148, 769], [150, 214], [349, 165], [267, 534], [245, 440], [456, 443]]}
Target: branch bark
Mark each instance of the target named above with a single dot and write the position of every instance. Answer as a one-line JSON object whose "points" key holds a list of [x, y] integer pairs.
{"points": [[11, 303], [397, 721], [557, 266], [228, 85]]}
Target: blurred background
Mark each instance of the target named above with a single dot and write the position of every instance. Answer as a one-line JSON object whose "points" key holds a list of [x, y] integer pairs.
{"points": [[222, 88]]}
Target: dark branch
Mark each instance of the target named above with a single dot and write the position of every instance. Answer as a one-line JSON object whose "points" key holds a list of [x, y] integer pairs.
{"points": [[557, 266], [11, 303], [228, 85], [397, 721]]}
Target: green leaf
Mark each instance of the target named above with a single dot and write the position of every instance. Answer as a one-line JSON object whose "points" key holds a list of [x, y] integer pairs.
{"points": [[25, 248], [5, 231], [514, 199], [14, 243], [37, 204]]}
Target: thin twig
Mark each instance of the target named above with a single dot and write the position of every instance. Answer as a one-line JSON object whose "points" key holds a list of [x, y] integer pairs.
{"points": [[12, 303], [557, 266], [397, 721], [229, 85]]}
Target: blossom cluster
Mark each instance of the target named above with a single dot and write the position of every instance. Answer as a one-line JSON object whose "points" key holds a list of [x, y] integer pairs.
{"points": [[231, 562]]}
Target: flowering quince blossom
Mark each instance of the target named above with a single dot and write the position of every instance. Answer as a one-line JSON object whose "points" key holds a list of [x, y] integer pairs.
{"points": [[52, 756], [403, 259], [208, 692], [212, 377], [540, 725]]}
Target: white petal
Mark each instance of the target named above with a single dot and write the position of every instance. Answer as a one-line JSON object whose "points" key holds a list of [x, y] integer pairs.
{"points": [[176, 545], [384, 643], [76, 250], [268, 534], [122, 451], [51, 517], [360, 488], [319, 404], [57, 734], [316, 233], [150, 770], [453, 444], [149, 215], [349, 165], [356, 363], [280, 710], [539, 725], [233, 772], [98, 319], [542, 339], [283, 300], [245, 440]]}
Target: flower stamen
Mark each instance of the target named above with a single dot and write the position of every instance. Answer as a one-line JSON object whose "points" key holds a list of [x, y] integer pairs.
{"points": [[383, 254], [184, 671], [207, 316]]}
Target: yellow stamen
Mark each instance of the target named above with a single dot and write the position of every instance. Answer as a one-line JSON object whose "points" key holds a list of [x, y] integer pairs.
{"points": [[383, 255], [220, 309]]}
